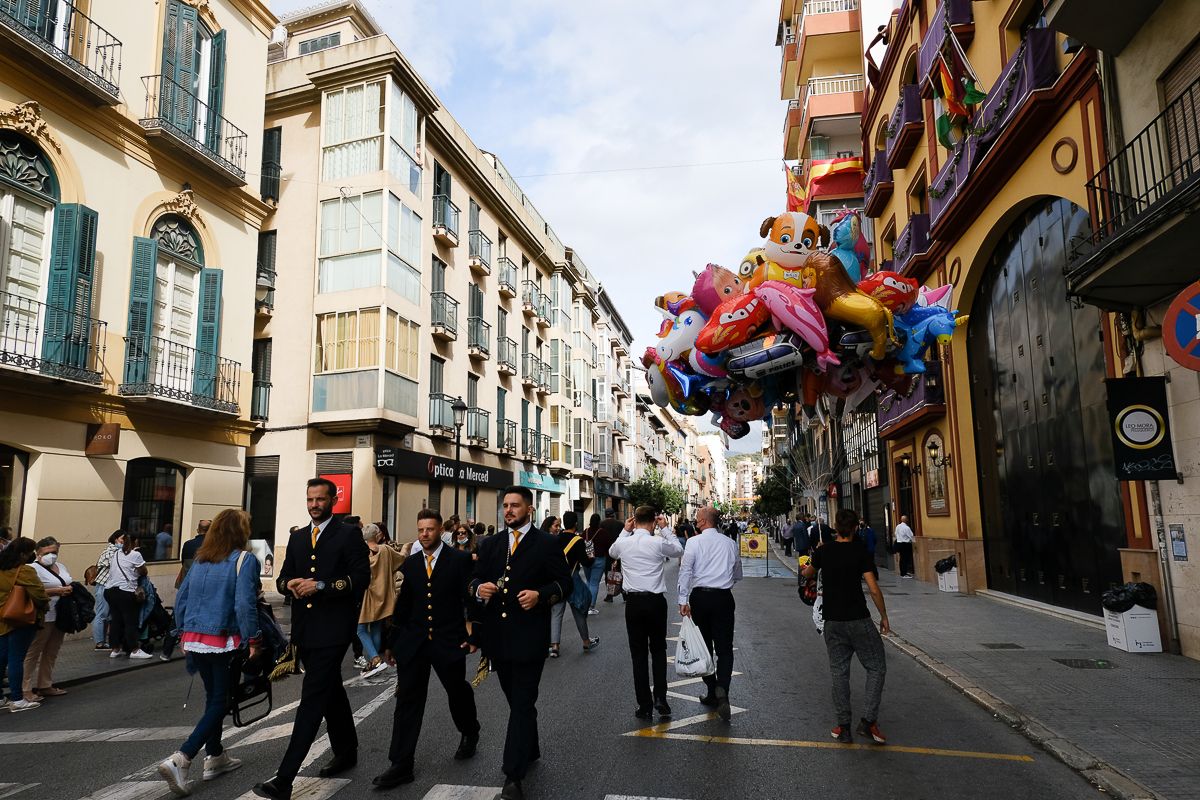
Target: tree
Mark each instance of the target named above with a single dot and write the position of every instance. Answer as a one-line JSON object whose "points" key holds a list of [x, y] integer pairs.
{"points": [[653, 490], [774, 493]]}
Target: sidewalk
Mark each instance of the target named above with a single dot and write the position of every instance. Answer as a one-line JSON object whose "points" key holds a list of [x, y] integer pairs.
{"points": [[1058, 681]]}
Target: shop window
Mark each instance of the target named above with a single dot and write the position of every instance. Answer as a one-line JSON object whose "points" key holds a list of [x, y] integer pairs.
{"points": [[13, 464], [152, 507]]}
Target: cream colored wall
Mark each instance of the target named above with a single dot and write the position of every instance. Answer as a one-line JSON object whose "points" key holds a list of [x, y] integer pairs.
{"points": [[1169, 31]]}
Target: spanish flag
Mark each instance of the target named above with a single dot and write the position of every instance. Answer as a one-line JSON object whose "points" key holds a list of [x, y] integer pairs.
{"points": [[795, 190], [834, 176]]}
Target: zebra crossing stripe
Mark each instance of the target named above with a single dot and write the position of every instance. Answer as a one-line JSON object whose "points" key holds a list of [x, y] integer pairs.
{"points": [[632, 797], [310, 789], [10, 789], [132, 790], [94, 735], [445, 791]]}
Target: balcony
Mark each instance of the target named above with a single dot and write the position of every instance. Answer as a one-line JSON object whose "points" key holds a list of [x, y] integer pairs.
{"points": [[506, 436], [508, 277], [479, 422], [507, 361], [260, 401], [904, 127], [1143, 200], [531, 445], [543, 454], [441, 415], [878, 186], [531, 299], [479, 338], [621, 472], [619, 427], [543, 381], [185, 123], [620, 385], [531, 370], [912, 244], [445, 220], [46, 342], [899, 413], [479, 248], [824, 107], [959, 17], [1107, 25], [602, 466], [829, 30], [60, 38], [1033, 66], [159, 369], [443, 320]]}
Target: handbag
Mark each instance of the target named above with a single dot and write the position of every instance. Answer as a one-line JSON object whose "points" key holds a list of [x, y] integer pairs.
{"points": [[139, 593], [18, 609]]}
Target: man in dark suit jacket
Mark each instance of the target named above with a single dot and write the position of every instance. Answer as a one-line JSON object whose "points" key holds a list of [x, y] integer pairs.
{"points": [[520, 573], [429, 630], [326, 570]]}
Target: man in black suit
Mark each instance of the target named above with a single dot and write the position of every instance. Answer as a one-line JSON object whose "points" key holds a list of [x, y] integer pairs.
{"points": [[429, 630], [326, 570], [520, 573]]}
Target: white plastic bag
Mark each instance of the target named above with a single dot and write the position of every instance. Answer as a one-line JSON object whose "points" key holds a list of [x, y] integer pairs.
{"points": [[818, 607], [692, 659]]}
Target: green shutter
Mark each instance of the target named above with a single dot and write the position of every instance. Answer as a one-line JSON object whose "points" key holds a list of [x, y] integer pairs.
{"points": [[208, 333], [176, 101], [67, 331], [141, 311], [216, 93], [272, 145]]}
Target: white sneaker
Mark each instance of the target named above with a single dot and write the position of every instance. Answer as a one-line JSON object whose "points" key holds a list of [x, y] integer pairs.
{"points": [[174, 771], [23, 705], [140, 655], [370, 671], [593, 612], [116, 653], [219, 765]]}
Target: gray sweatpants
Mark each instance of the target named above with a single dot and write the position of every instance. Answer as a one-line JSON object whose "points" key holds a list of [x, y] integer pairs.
{"points": [[843, 639], [558, 611]]}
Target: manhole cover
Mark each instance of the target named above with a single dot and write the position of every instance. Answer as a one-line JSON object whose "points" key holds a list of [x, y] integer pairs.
{"points": [[1086, 663], [1001, 645]]}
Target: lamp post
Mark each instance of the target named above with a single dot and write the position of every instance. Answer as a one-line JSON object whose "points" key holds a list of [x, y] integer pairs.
{"points": [[460, 414]]}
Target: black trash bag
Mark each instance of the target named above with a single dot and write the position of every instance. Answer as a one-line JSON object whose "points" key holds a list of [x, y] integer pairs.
{"points": [[1118, 599], [946, 564], [1144, 595]]}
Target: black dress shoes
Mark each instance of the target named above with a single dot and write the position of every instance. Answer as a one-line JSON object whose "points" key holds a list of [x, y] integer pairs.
{"points": [[274, 789], [723, 709], [643, 713], [512, 791], [395, 776], [709, 700], [466, 747], [338, 765], [662, 708]]}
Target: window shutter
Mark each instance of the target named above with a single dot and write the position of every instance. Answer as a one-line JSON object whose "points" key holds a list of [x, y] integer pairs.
{"points": [[216, 92], [208, 333], [69, 293], [272, 147], [176, 102], [261, 364], [141, 311]]}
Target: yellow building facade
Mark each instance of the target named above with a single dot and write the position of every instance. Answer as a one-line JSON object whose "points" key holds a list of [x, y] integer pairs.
{"points": [[129, 212]]}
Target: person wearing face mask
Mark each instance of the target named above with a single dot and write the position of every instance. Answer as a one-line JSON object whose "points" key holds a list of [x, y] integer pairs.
{"points": [[15, 637], [464, 540], [43, 651]]}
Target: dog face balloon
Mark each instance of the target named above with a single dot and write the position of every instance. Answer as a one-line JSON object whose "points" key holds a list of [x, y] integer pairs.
{"points": [[792, 237]]}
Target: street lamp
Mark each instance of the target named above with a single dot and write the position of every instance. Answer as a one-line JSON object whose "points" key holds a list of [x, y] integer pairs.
{"points": [[460, 415]]}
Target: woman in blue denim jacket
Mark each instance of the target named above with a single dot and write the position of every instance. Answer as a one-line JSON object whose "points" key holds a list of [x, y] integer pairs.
{"points": [[215, 615]]}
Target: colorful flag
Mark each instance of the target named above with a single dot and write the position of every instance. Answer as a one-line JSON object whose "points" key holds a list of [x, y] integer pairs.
{"points": [[955, 92], [834, 176], [795, 190]]}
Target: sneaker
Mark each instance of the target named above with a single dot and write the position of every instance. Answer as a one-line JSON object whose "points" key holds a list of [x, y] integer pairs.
{"points": [[101, 646], [140, 655], [553, 651], [163, 657], [174, 771], [374, 667], [16, 706], [871, 731], [3, 702], [593, 612], [219, 765], [842, 734], [906, 576], [592, 644], [117, 652], [361, 662]]}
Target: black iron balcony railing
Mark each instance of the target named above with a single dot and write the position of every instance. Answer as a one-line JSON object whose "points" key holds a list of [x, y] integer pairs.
{"points": [[479, 422], [441, 413], [544, 447], [51, 341], [69, 36], [260, 400], [621, 472], [193, 124], [479, 335], [173, 371], [531, 368], [506, 435], [508, 276], [531, 296], [543, 382], [444, 313], [445, 214], [479, 248], [531, 443], [508, 353]]}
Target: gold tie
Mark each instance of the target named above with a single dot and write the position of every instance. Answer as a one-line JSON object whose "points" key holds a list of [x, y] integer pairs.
{"points": [[516, 541], [428, 565], [315, 531]]}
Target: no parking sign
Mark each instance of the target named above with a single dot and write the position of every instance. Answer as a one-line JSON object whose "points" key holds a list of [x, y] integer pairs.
{"points": [[1181, 328]]}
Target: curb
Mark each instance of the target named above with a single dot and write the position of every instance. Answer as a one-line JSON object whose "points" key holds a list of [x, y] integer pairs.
{"points": [[1103, 776], [95, 676]]}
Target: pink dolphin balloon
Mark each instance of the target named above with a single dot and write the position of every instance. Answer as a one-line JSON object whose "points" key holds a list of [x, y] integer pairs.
{"points": [[793, 308]]}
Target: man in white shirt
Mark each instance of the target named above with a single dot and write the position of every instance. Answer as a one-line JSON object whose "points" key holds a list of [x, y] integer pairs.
{"points": [[642, 551], [903, 537], [709, 569]]}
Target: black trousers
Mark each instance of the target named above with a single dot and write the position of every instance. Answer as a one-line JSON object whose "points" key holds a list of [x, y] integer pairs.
{"points": [[712, 611], [322, 696], [520, 681], [904, 549], [123, 620], [646, 624], [412, 689], [787, 546]]}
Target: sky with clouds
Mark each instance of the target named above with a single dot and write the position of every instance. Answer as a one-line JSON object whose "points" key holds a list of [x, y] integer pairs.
{"points": [[649, 134]]}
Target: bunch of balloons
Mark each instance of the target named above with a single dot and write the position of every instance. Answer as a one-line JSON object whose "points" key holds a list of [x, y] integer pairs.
{"points": [[796, 321]]}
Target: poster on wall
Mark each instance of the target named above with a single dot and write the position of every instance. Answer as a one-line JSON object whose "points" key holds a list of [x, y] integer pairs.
{"points": [[1140, 429], [344, 484]]}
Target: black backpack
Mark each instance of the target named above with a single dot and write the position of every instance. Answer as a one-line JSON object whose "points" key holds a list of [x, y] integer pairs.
{"points": [[75, 611]]}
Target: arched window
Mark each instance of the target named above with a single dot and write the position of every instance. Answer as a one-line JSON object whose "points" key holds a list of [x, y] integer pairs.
{"points": [[176, 280], [152, 507], [936, 494], [13, 464], [28, 195]]}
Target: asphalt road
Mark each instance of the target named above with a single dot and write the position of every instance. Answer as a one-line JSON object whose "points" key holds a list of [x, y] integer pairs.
{"points": [[104, 738]]}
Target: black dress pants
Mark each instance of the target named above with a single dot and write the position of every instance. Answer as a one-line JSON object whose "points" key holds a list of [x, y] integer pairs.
{"points": [[712, 611], [322, 696], [646, 624], [520, 681], [905, 549], [412, 689]]}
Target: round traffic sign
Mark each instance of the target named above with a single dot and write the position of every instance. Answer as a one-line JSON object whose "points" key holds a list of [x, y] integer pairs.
{"points": [[1181, 328]]}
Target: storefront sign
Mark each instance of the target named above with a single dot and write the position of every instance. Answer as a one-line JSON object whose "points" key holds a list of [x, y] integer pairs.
{"points": [[103, 439], [544, 483], [345, 486], [1141, 433], [1181, 328], [833, 490], [409, 464]]}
